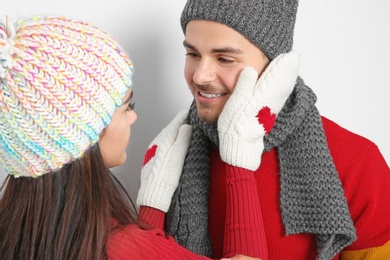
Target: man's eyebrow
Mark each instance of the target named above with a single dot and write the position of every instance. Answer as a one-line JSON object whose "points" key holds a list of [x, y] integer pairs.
{"points": [[219, 50], [129, 98], [189, 46], [228, 50]]}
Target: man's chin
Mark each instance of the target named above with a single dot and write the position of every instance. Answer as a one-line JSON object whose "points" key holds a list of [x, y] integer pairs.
{"points": [[208, 118], [208, 113]]}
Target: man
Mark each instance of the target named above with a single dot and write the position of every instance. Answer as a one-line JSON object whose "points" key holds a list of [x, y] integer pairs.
{"points": [[322, 190]]}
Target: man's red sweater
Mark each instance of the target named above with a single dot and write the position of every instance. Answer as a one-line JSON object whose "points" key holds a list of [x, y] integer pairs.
{"points": [[365, 177]]}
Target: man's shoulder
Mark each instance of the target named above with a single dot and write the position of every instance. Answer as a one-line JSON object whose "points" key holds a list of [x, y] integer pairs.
{"points": [[348, 148], [336, 134]]}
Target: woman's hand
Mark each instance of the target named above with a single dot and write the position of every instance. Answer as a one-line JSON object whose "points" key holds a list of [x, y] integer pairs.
{"points": [[163, 164], [250, 112]]}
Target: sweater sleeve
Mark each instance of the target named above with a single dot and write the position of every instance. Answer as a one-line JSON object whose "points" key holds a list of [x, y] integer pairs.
{"points": [[151, 216], [135, 243], [368, 197], [244, 229]]}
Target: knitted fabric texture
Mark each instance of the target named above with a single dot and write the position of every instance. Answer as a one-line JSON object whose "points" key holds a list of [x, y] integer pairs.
{"points": [[311, 196], [61, 81], [187, 217], [268, 24]]}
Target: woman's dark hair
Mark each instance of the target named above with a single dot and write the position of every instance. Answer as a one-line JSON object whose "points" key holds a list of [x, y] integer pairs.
{"points": [[67, 214]]}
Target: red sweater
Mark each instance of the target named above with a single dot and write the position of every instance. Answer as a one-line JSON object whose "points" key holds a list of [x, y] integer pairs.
{"points": [[365, 177], [135, 243], [240, 234], [236, 195]]}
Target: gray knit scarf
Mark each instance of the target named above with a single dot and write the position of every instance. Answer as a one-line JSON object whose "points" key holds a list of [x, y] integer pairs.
{"points": [[311, 196]]}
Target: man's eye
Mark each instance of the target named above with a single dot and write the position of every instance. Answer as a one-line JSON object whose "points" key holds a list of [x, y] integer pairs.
{"points": [[191, 54], [223, 60]]}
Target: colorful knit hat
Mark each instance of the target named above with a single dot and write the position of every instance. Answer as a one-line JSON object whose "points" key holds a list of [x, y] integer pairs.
{"points": [[269, 24], [60, 83]]}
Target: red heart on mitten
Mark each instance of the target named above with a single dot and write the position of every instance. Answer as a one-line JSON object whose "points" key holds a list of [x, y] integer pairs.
{"points": [[266, 118], [149, 154]]}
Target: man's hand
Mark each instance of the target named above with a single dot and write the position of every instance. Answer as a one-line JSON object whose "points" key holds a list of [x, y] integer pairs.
{"points": [[163, 164], [251, 111]]}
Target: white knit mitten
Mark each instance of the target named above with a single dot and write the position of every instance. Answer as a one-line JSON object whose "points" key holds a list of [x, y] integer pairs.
{"points": [[250, 112], [163, 164]]}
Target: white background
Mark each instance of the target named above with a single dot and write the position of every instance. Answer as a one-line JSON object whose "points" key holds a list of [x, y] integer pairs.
{"points": [[344, 47]]}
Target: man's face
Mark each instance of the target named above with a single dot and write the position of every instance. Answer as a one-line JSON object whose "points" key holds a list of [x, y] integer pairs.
{"points": [[215, 56]]}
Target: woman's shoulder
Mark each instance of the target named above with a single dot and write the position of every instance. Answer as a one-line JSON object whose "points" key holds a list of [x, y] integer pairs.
{"points": [[130, 240], [138, 243], [132, 233]]}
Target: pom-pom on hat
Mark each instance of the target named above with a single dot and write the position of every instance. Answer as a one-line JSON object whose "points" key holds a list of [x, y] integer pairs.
{"points": [[268, 24], [60, 83]]}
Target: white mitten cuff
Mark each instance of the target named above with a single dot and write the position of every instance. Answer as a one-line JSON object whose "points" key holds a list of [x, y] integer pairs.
{"points": [[156, 193], [240, 153]]}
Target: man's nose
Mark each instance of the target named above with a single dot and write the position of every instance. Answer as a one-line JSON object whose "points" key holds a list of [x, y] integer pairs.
{"points": [[205, 72]]}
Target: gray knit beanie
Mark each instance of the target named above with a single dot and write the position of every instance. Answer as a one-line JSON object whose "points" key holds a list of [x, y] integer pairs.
{"points": [[269, 24]]}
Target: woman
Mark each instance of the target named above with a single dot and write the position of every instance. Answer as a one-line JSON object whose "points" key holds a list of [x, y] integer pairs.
{"points": [[65, 115]]}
